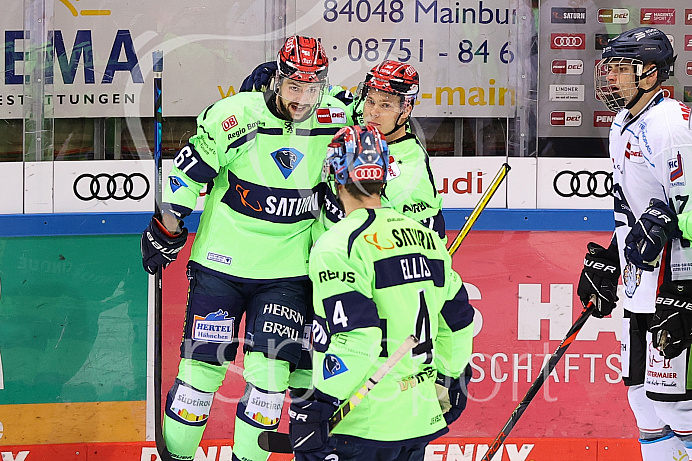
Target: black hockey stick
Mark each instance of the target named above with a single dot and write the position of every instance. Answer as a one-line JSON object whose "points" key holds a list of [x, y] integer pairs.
{"points": [[533, 390], [278, 442], [164, 454], [480, 206]]}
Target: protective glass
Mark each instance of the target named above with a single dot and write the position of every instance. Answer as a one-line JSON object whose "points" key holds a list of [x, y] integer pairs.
{"points": [[616, 80]]}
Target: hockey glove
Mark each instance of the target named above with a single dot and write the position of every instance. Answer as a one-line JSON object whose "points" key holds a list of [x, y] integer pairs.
{"points": [[260, 77], [648, 237], [599, 279], [453, 394], [671, 327], [309, 422], [160, 247]]}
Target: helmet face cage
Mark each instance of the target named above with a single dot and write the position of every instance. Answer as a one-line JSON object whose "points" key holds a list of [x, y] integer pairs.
{"points": [[616, 80], [356, 155]]}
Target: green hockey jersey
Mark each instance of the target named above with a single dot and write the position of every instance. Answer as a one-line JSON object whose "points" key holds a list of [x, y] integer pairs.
{"points": [[264, 178], [378, 277], [410, 189]]}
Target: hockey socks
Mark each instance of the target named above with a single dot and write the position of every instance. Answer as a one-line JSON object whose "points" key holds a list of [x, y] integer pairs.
{"points": [[188, 405], [260, 407]]}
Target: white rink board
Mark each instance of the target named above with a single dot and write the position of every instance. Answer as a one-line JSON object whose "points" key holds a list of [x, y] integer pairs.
{"points": [[531, 183]]}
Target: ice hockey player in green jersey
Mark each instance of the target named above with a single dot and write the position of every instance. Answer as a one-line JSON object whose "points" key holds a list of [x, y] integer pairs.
{"points": [[378, 277], [262, 155], [385, 99]]}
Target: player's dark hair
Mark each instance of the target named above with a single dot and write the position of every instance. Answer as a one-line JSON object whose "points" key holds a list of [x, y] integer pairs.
{"points": [[360, 190]]}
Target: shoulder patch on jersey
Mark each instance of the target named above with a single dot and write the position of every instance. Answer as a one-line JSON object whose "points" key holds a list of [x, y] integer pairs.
{"points": [[332, 366], [330, 115], [229, 123], [393, 171], [677, 174], [287, 158], [176, 183]]}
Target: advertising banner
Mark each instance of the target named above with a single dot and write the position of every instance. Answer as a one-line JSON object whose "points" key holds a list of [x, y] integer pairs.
{"points": [[128, 185], [573, 33], [100, 55], [523, 287]]}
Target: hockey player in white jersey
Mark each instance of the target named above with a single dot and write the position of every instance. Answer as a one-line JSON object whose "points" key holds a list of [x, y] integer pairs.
{"points": [[651, 148]]}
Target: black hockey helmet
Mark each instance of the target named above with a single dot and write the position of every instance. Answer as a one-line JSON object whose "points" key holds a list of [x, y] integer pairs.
{"points": [[645, 44]]}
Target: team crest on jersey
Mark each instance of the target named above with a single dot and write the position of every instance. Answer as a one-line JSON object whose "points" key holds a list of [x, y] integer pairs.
{"points": [[332, 366], [677, 174], [631, 278], [176, 183], [287, 159], [393, 170]]}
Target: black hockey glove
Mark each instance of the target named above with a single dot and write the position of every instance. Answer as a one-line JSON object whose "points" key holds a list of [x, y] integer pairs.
{"points": [[648, 237], [160, 247], [453, 394], [309, 422], [260, 77], [671, 327], [599, 279]]}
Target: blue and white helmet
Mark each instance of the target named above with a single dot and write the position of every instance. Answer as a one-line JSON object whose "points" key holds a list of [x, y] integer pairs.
{"points": [[357, 154]]}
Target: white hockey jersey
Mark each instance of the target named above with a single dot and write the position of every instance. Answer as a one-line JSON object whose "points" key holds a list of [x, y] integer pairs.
{"points": [[652, 156]]}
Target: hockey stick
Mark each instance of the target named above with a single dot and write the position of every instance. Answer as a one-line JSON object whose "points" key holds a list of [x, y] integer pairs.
{"points": [[480, 206], [533, 390], [278, 442], [158, 288]]}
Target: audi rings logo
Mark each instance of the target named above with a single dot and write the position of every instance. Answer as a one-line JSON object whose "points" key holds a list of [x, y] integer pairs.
{"points": [[104, 186], [561, 41], [583, 183]]}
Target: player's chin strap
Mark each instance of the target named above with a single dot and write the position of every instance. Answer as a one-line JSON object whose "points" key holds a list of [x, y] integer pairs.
{"points": [[641, 92]]}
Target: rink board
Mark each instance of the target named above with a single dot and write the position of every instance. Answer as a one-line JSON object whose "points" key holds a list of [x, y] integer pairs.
{"points": [[66, 375], [444, 449]]}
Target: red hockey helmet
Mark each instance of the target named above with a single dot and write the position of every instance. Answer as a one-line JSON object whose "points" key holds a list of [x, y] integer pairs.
{"points": [[394, 77], [303, 59], [357, 154]]}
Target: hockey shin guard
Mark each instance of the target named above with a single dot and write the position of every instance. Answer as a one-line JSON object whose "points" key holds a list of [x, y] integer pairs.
{"points": [[260, 407], [188, 405]]}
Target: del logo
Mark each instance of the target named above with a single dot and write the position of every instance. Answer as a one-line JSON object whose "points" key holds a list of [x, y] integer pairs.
{"points": [[668, 91], [287, 159], [229, 123], [688, 42], [657, 16], [567, 66], [331, 115], [565, 118], [675, 166], [688, 17], [688, 68], [215, 327], [393, 170], [333, 366], [603, 118], [614, 16]]}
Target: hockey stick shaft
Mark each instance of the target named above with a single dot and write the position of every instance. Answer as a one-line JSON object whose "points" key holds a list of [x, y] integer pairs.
{"points": [[158, 288], [480, 206], [278, 442], [536, 385]]}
